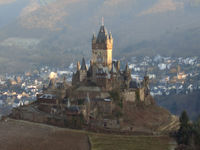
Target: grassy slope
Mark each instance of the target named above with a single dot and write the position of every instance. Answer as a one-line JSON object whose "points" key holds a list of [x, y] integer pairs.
{"points": [[111, 142], [22, 135]]}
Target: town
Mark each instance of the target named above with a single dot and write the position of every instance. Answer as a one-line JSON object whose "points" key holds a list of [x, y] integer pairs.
{"points": [[168, 75]]}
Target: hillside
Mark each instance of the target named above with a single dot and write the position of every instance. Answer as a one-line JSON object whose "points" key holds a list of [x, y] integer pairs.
{"points": [[21, 135], [57, 32], [150, 118], [178, 103], [173, 43]]}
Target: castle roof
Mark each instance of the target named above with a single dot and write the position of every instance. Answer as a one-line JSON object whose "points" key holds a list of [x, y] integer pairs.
{"points": [[103, 35], [135, 84], [113, 70], [83, 65], [127, 70], [51, 83]]}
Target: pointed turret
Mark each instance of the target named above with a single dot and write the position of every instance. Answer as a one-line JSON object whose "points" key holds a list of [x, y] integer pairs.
{"points": [[94, 38], [127, 70], [78, 66], [103, 34], [83, 65], [146, 84], [102, 21], [118, 65], [110, 36], [51, 83], [113, 70]]}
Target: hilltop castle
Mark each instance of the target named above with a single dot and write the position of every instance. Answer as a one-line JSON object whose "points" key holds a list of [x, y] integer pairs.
{"points": [[105, 73], [101, 98]]}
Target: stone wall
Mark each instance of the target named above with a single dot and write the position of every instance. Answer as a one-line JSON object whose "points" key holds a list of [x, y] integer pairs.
{"points": [[129, 96], [31, 114], [106, 123]]}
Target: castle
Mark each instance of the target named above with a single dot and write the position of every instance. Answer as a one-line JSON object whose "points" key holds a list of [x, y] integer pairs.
{"points": [[105, 73], [100, 96]]}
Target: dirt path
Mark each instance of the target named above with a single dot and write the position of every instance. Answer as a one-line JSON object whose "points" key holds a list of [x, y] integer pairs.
{"points": [[21, 135]]}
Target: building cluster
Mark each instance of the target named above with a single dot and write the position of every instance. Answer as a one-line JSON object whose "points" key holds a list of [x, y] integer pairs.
{"points": [[98, 94], [22, 89], [169, 75]]}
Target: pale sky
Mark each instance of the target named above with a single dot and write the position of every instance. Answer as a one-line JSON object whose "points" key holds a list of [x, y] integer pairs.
{"points": [[2, 2]]}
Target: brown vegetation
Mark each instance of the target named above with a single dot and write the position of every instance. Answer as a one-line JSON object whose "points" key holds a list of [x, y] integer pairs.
{"points": [[152, 118], [20, 135]]}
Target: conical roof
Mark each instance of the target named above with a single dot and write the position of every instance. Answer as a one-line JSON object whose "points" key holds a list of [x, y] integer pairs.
{"points": [[94, 36], [83, 65], [103, 35], [127, 68], [113, 70]]}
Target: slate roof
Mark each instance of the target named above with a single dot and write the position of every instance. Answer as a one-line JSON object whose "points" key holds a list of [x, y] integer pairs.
{"points": [[113, 70], [83, 65], [103, 35], [134, 85]]}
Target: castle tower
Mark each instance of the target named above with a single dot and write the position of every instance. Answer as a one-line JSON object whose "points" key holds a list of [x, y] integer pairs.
{"points": [[102, 46], [83, 71], [118, 65], [146, 84], [127, 76]]}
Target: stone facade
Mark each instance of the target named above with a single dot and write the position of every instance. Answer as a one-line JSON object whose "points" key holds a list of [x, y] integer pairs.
{"points": [[103, 71]]}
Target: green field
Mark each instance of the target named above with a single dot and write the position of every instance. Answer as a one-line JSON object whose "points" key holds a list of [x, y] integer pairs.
{"points": [[113, 142]]}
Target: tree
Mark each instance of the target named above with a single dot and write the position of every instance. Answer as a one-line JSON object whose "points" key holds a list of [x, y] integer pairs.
{"points": [[115, 95], [188, 135], [196, 132], [185, 132], [184, 119]]}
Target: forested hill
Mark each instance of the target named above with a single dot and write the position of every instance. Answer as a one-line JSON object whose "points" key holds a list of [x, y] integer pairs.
{"points": [[178, 103]]}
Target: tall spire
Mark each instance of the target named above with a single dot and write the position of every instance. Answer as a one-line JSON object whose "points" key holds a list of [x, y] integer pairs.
{"points": [[113, 70], [102, 21], [94, 38], [110, 35], [103, 34], [127, 70]]}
